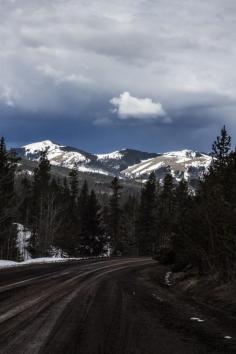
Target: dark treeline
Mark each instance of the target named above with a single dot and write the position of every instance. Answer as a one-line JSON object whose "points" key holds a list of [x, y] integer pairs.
{"points": [[63, 217], [179, 226]]}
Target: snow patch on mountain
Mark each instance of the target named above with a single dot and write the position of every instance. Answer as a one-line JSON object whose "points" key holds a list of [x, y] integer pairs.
{"points": [[126, 163], [116, 155], [93, 170], [41, 146], [182, 154], [60, 155], [144, 167], [185, 164], [56, 155]]}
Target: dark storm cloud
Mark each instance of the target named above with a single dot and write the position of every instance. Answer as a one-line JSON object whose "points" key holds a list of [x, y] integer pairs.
{"points": [[62, 62]]}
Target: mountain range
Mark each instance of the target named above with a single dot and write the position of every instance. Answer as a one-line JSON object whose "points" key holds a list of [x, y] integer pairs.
{"points": [[125, 163]]}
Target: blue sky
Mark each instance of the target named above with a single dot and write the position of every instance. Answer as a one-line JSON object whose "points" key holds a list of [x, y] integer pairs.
{"points": [[145, 74]]}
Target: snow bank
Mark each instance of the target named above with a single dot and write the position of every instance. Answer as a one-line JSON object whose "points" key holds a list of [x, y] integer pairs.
{"points": [[49, 260], [167, 278], [8, 264], [196, 319]]}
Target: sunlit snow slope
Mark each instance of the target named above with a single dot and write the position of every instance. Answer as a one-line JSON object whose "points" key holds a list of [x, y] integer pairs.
{"points": [[127, 163]]}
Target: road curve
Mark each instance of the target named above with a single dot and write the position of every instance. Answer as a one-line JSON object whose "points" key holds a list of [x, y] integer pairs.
{"points": [[105, 307]]}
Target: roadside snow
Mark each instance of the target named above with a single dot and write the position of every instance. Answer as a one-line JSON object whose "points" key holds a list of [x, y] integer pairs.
{"points": [[49, 260], [167, 278], [8, 264], [196, 319]]}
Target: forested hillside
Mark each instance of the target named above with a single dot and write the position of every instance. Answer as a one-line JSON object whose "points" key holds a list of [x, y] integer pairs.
{"points": [[167, 220]]}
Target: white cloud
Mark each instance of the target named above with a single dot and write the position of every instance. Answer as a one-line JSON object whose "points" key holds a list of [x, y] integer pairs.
{"points": [[128, 106]]}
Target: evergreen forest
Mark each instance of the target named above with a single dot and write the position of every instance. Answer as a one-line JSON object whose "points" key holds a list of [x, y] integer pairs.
{"points": [[169, 221]]}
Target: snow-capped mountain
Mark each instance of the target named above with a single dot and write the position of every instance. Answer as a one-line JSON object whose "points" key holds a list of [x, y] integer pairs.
{"points": [[127, 163], [123, 159], [185, 164], [65, 156]]}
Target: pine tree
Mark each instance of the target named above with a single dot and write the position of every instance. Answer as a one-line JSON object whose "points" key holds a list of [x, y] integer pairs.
{"points": [[43, 209], [96, 238], [105, 224], [24, 195], [166, 211], [67, 236], [83, 235], [8, 233], [130, 212], [42, 175], [146, 230], [221, 148], [115, 218], [74, 184], [180, 243], [214, 208], [208, 230]]}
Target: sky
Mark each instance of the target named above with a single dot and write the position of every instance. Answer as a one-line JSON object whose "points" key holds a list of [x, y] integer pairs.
{"points": [[153, 75]]}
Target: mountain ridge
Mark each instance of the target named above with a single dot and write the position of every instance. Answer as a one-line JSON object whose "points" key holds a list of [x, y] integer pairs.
{"points": [[124, 163]]}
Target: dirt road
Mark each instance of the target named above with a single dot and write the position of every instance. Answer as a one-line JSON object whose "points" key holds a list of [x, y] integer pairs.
{"points": [[105, 307]]}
